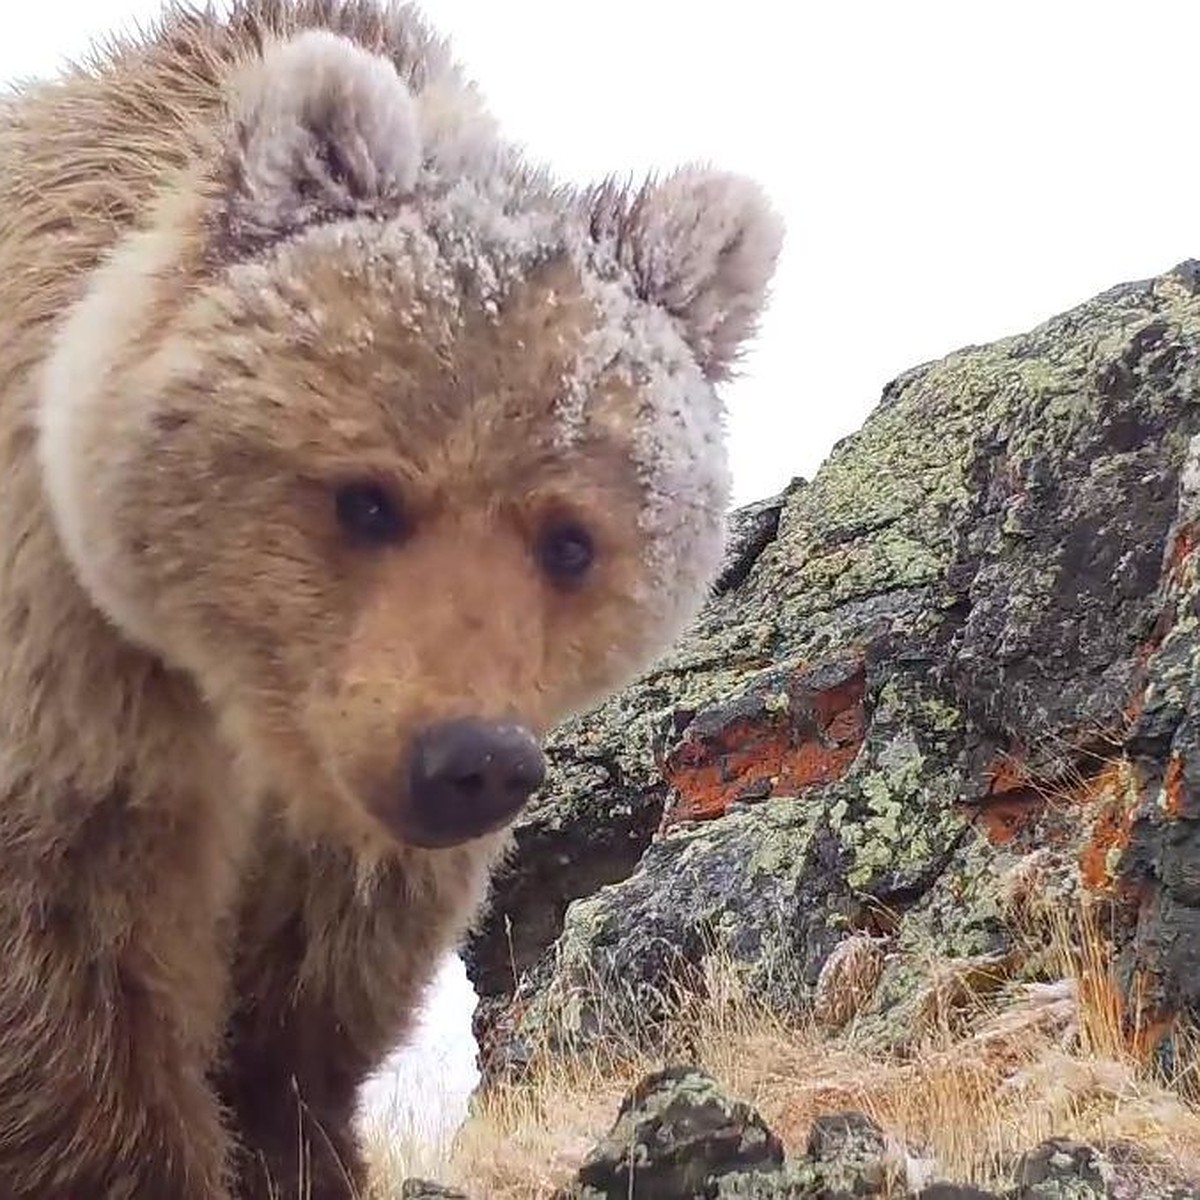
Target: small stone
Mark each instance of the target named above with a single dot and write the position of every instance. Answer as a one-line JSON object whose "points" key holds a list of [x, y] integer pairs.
{"points": [[423, 1189], [796, 1181], [1060, 1167], [845, 1135], [957, 1191], [676, 1135]]}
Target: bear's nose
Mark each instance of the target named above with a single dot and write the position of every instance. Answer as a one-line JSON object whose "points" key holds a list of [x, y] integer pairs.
{"points": [[468, 777]]}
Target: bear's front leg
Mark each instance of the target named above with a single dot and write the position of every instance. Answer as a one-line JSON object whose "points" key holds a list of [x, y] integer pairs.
{"points": [[111, 1001], [331, 969]]}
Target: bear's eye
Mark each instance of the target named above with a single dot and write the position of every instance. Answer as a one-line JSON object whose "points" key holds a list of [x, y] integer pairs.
{"points": [[565, 552], [369, 514]]}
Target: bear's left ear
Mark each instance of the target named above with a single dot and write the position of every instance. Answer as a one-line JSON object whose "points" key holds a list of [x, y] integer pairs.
{"points": [[702, 244], [320, 128]]}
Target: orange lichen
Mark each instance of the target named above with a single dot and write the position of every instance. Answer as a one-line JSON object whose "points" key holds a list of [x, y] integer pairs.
{"points": [[1109, 835], [1112, 780], [1182, 545], [1112, 792], [1014, 802], [1007, 773], [1011, 812], [1173, 787], [767, 754], [1009, 804]]}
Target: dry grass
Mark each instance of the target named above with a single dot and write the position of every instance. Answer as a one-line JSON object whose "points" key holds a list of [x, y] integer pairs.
{"points": [[997, 1068]]}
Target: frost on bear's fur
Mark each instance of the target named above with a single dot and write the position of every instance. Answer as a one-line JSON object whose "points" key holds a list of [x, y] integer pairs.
{"points": [[344, 454], [322, 129]]}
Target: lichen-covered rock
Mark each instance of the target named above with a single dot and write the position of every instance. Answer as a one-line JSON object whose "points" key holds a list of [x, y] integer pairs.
{"points": [[799, 1179], [957, 1191], [948, 681], [752, 529], [589, 830], [1061, 1164], [423, 1189], [770, 886], [621, 949], [676, 1136], [1063, 1169], [853, 1147]]}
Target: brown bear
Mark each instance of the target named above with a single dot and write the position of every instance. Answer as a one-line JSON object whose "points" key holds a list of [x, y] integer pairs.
{"points": [[342, 454]]}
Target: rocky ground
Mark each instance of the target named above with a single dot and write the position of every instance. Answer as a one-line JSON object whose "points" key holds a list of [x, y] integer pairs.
{"points": [[679, 1136], [691, 1140], [944, 698]]}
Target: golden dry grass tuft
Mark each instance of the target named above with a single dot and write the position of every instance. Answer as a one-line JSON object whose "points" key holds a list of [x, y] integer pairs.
{"points": [[997, 1068]]}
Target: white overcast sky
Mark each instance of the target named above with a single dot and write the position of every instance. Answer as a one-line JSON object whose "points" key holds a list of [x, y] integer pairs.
{"points": [[950, 172]]}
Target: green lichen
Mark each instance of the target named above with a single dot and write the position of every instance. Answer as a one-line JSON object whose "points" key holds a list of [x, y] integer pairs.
{"points": [[892, 815], [796, 1181], [783, 829], [938, 715]]}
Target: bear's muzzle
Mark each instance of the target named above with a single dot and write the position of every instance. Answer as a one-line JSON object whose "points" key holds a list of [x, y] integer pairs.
{"points": [[467, 777]]}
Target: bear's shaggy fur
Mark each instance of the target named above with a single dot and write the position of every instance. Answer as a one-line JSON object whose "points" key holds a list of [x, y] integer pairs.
{"points": [[247, 262]]}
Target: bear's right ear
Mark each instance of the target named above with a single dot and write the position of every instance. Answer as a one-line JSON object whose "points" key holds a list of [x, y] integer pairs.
{"points": [[321, 128], [703, 244]]}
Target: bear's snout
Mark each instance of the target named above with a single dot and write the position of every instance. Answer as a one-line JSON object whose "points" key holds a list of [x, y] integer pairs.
{"points": [[468, 777]]}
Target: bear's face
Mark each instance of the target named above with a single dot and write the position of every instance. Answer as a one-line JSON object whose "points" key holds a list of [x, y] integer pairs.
{"points": [[402, 468]]}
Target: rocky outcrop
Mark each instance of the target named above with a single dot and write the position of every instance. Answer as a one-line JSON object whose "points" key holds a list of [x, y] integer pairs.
{"points": [[949, 679]]}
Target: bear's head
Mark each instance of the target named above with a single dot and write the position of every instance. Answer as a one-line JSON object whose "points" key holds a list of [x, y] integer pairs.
{"points": [[402, 453]]}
